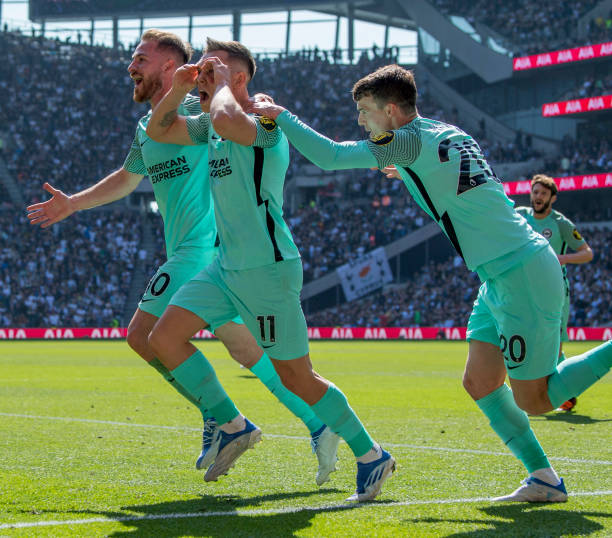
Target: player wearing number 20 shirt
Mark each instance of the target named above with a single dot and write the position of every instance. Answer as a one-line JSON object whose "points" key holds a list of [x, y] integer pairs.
{"points": [[446, 173], [514, 328]]}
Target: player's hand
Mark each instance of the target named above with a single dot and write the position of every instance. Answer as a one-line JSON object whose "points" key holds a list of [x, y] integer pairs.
{"points": [[185, 77], [391, 172], [57, 208], [265, 108], [214, 71], [261, 98]]}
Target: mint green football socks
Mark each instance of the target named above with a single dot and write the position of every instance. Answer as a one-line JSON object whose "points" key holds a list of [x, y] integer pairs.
{"points": [[576, 374], [264, 370], [334, 410], [198, 377], [165, 373], [511, 424]]}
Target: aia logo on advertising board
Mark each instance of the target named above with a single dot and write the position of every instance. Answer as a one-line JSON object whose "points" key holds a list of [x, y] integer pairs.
{"points": [[574, 106], [562, 56]]}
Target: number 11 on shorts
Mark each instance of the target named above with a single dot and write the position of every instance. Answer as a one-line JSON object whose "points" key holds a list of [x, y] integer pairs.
{"points": [[271, 328]]}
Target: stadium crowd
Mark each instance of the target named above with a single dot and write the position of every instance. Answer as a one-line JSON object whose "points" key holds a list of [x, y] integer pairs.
{"points": [[70, 141], [441, 294], [77, 273], [596, 84], [59, 128], [588, 153], [534, 27]]}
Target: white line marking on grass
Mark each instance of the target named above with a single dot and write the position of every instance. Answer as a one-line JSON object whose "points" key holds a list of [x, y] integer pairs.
{"points": [[278, 436], [262, 512]]}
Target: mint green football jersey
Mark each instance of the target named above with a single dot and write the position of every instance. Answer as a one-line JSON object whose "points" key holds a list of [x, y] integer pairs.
{"points": [[247, 188], [560, 232], [179, 175], [446, 173]]}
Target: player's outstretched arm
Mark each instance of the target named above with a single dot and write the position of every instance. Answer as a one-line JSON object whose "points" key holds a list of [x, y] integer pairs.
{"points": [[228, 118], [318, 149], [60, 206], [165, 125]]}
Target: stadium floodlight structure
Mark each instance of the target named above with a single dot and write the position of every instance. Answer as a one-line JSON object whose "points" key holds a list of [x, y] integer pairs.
{"points": [[386, 12]]}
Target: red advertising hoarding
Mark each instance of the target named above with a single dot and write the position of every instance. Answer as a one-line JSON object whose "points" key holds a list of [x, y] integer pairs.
{"points": [[566, 183], [314, 333], [576, 106], [560, 57]]}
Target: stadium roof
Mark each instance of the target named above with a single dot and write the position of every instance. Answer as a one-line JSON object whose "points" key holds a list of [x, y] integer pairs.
{"points": [[387, 12]]}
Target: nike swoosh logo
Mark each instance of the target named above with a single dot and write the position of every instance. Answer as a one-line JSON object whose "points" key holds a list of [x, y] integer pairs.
{"points": [[267, 347], [146, 300], [513, 367]]}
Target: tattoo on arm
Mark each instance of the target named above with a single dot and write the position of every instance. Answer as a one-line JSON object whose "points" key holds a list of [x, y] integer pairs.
{"points": [[168, 119]]}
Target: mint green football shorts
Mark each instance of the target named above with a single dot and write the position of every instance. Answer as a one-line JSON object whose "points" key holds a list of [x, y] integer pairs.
{"points": [[266, 298], [520, 311], [180, 268]]}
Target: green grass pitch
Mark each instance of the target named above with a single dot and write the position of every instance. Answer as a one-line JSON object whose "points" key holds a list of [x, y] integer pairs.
{"points": [[94, 443]]}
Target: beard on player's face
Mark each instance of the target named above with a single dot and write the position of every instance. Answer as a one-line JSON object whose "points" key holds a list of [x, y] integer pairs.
{"points": [[540, 206], [145, 87]]}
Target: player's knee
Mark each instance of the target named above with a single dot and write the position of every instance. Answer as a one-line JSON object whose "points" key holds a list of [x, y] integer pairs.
{"points": [[245, 353], [472, 385], [157, 342], [477, 386], [137, 340]]}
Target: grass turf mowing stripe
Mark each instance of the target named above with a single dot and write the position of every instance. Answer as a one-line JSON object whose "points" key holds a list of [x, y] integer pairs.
{"points": [[277, 436], [271, 511]]}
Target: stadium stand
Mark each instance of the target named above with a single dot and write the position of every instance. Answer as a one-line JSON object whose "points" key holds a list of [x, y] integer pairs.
{"points": [[531, 27], [443, 292], [76, 274], [58, 130], [68, 111]]}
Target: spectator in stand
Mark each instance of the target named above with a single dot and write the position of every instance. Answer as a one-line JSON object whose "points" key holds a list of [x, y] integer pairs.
{"points": [[39, 146], [79, 277], [440, 299], [532, 27]]}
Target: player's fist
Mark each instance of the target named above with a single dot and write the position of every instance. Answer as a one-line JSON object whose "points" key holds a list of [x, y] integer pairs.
{"points": [[185, 77], [214, 71]]}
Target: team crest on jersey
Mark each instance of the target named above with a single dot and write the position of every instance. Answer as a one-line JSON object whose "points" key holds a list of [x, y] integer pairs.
{"points": [[384, 138], [267, 123], [577, 235], [547, 233]]}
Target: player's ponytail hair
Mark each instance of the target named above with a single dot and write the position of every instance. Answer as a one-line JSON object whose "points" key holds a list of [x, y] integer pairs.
{"points": [[546, 181], [171, 43], [389, 84]]}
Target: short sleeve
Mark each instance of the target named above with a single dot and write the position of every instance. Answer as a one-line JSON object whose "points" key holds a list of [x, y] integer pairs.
{"points": [[268, 132], [396, 147], [570, 234], [198, 128], [133, 162]]}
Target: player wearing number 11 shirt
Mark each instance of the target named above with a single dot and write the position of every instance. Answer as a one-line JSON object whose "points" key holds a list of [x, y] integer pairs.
{"points": [[514, 327]]}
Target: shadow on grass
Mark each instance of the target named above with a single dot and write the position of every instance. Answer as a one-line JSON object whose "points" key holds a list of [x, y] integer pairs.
{"points": [[570, 418], [219, 516], [523, 519]]}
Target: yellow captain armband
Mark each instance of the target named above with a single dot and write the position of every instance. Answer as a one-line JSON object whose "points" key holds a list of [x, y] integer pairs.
{"points": [[267, 123], [383, 138]]}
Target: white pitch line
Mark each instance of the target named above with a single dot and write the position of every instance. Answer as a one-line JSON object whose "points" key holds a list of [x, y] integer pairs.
{"points": [[279, 436], [262, 512]]}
